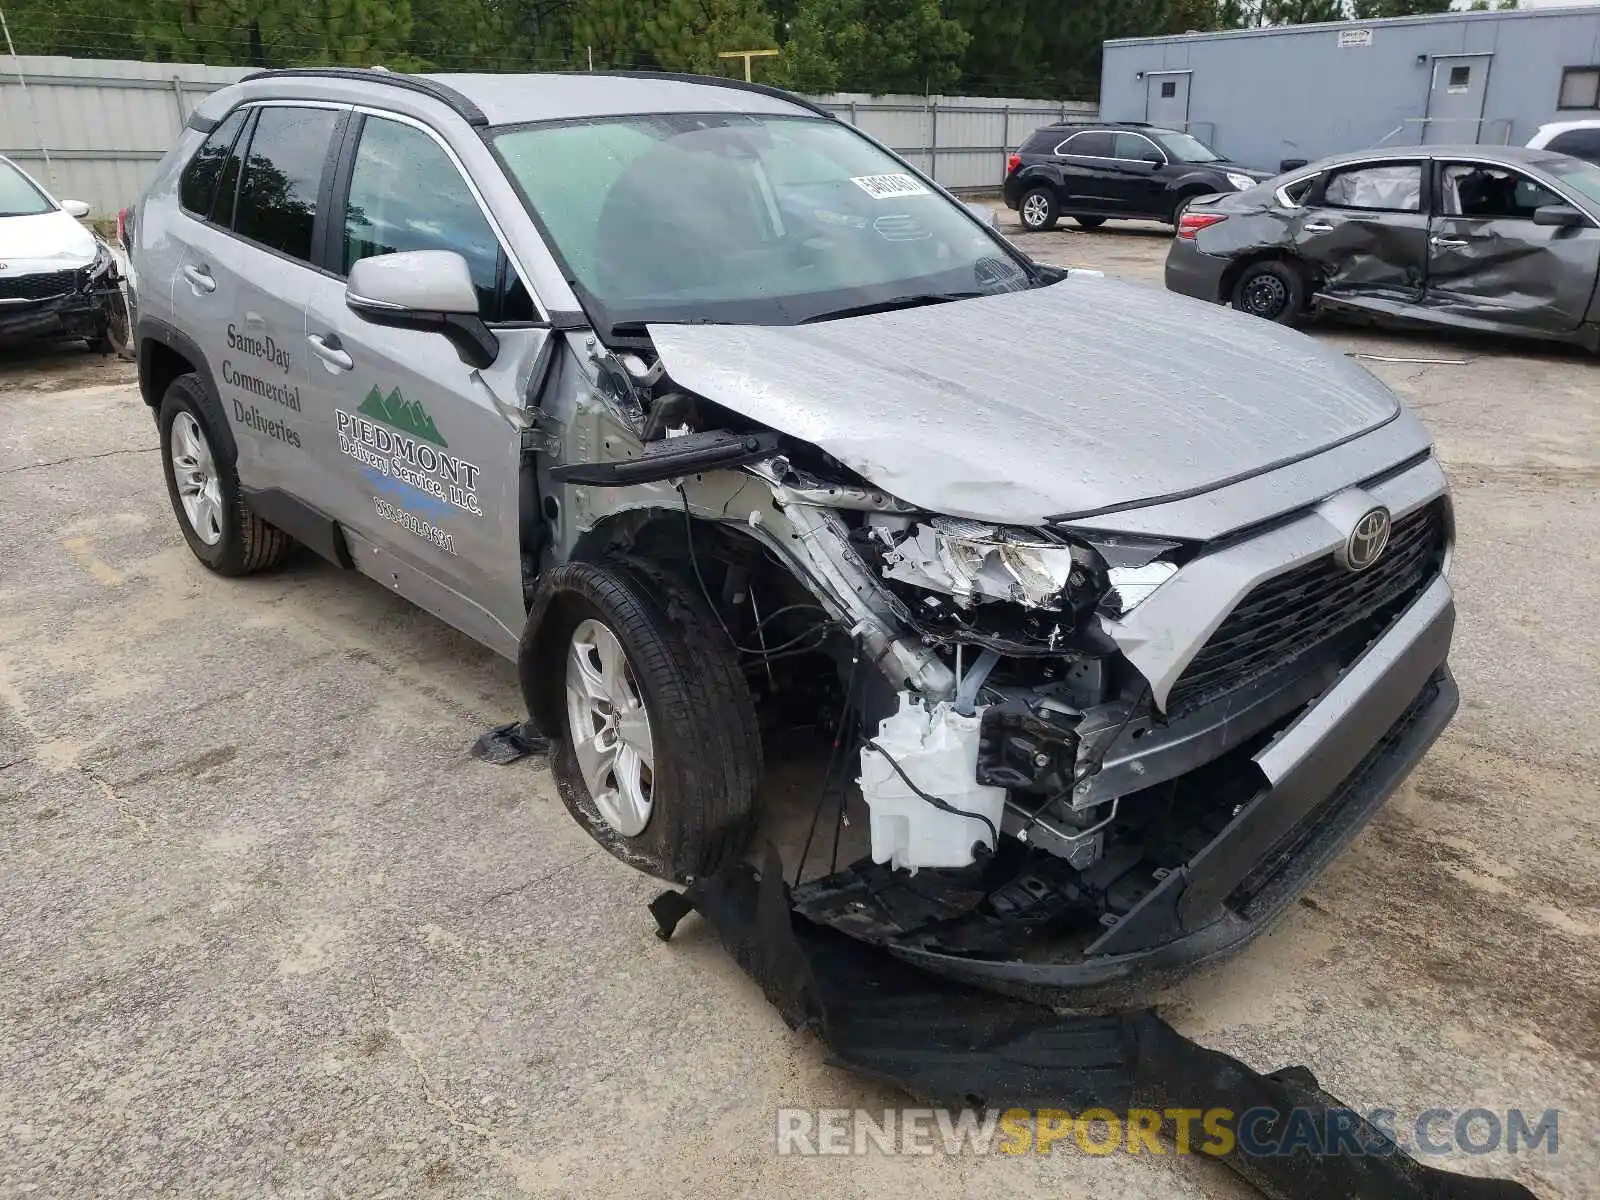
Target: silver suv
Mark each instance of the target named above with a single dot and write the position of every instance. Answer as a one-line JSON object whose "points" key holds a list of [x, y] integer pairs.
{"points": [[738, 433]]}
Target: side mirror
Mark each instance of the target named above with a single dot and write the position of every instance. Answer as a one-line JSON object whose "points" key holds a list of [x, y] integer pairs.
{"points": [[426, 290], [1155, 161], [75, 208], [1291, 164], [984, 214], [1561, 215]]}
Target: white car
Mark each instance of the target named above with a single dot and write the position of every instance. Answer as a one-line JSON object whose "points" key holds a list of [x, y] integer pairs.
{"points": [[1580, 139], [57, 279]]}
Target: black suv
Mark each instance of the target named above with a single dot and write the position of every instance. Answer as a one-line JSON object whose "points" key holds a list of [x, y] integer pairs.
{"points": [[1115, 170]]}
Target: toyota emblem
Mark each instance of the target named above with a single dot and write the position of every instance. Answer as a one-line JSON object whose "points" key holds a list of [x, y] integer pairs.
{"points": [[1367, 541]]}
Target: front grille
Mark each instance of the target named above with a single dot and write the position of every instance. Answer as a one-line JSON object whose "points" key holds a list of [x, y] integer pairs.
{"points": [[42, 286], [1316, 610]]}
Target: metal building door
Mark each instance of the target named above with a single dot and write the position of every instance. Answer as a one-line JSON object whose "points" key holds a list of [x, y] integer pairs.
{"points": [[1167, 99], [1455, 101]]}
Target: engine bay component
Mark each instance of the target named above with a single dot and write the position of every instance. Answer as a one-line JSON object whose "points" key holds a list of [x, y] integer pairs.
{"points": [[922, 755], [1024, 750]]}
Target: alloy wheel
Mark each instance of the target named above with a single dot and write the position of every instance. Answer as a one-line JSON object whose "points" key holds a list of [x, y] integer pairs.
{"points": [[195, 469], [610, 728], [1035, 210]]}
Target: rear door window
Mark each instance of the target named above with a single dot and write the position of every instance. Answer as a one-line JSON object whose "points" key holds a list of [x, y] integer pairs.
{"points": [[1088, 145], [1386, 187], [283, 172], [197, 186]]}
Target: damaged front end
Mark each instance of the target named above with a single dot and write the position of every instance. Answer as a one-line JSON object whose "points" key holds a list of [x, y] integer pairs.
{"points": [[1090, 758], [50, 302]]}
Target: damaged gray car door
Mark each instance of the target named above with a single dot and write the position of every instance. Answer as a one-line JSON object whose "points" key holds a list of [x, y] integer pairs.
{"points": [[1365, 227], [1507, 248]]}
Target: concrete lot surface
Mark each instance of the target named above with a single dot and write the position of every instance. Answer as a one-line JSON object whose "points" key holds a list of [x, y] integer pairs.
{"points": [[270, 931]]}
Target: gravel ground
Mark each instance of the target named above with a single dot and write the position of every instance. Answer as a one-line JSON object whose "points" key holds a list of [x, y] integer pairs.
{"points": [[274, 932]]}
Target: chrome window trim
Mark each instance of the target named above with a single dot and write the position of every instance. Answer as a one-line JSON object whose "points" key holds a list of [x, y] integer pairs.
{"points": [[1065, 153]]}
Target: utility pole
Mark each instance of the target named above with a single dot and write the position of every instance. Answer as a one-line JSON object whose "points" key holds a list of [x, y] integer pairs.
{"points": [[747, 55], [49, 170]]}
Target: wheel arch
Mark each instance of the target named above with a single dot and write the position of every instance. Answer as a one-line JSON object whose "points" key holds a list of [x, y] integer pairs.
{"points": [[1242, 263], [164, 354], [644, 537]]}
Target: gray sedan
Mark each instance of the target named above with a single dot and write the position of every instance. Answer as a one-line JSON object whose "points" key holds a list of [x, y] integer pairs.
{"points": [[1489, 238]]}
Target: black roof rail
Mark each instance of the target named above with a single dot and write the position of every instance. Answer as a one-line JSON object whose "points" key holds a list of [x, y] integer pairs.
{"points": [[761, 89], [414, 83]]}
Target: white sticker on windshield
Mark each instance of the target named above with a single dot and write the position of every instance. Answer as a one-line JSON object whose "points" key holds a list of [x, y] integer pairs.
{"points": [[886, 187]]}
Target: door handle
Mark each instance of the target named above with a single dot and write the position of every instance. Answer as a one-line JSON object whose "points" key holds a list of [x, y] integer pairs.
{"points": [[200, 279], [1317, 227], [1440, 243], [331, 352]]}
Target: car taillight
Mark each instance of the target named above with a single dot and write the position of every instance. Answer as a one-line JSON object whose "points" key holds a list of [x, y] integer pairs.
{"points": [[1192, 223], [124, 227], [1013, 163]]}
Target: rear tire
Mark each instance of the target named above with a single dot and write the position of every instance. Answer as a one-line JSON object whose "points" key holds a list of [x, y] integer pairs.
{"points": [[1273, 290], [1089, 222], [1039, 211], [697, 792], [204, 489]]}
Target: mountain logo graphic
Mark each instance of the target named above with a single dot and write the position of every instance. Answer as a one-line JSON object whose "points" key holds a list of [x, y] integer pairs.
{"points": [[408, 416]]}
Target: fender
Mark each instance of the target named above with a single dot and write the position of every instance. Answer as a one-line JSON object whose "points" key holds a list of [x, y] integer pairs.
{"points": [[153, 332]]}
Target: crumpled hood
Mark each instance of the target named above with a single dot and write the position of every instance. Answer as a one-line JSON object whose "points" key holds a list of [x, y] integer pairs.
{"points": [[1075, 399], [50, 241]]}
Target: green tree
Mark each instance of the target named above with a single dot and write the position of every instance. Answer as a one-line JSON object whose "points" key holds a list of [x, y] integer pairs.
{"points": [[1369, 10], [687, 35], [1500, 6], [85, 28], [872, 46], [1304, 12]]}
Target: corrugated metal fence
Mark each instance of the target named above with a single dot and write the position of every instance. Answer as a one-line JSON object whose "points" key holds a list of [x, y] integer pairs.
{"points": [[93, 129]]}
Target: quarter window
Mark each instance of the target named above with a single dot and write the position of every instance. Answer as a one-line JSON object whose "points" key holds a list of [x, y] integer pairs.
{"points": [[282, 175], [1087, 145], [1392, 187], [1580, 87], [197, 186], [388, 213]]}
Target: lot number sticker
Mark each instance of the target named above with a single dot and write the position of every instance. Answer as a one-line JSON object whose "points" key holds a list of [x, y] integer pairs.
{"points": [[887, 187]]}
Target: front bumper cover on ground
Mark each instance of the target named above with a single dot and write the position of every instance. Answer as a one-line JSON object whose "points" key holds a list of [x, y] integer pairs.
{"points": [[957, 1046]]}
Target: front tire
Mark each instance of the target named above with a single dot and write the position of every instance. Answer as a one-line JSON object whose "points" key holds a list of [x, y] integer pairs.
{"points": [[1273, 290], [659, 753], [1039, 211], [204, 489]]}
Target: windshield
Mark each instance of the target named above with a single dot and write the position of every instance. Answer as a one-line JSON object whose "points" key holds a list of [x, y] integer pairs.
{"points": [[1582, 177], [19, 195], [744, 219], [1187, 148]]}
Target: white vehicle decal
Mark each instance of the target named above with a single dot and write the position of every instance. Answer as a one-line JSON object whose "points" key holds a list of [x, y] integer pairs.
{"points": [[887, 187]]}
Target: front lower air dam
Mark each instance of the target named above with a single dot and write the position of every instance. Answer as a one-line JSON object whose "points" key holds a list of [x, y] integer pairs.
{"points": [[953, 1045]]}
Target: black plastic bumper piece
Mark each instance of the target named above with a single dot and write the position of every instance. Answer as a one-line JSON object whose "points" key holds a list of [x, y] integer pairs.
{"points": [[961, 1047], [716, 450]]}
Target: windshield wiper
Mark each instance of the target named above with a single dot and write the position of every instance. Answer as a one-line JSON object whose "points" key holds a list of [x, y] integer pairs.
{"points": [[917, 300]]}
